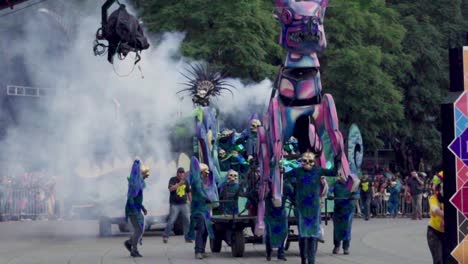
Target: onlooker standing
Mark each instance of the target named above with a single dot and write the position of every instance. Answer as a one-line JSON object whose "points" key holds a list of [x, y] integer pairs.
{"points": [[365, 189], [394, 199], [416, 188], [436, 226], [180, 194]]}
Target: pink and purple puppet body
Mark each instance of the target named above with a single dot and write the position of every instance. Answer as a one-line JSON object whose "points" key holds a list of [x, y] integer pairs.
{"points": [[298, 108]]}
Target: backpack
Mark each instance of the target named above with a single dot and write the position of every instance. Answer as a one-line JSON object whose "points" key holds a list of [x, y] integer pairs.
{"points": [[124, 34]]}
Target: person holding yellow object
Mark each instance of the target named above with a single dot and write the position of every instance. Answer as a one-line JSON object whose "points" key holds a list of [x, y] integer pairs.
{"points": [[436, 228], [180, 197]]}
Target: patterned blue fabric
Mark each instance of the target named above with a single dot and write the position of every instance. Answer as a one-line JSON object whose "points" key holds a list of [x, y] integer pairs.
{"points": [[135, 180]]}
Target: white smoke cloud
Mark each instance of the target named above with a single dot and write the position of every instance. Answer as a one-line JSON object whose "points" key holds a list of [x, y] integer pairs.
{"points": [[96, 111]]}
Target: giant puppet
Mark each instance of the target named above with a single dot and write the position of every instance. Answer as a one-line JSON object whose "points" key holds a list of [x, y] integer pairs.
{"points": [[202, 84], [298, 108]]}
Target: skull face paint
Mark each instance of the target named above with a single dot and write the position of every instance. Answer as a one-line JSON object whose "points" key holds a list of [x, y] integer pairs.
{"points": [[254, 125], [222, 153], [232, 176], [308, 160]]}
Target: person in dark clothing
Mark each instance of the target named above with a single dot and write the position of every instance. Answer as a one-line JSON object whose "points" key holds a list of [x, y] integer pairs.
{"points": [[179, 195], [365, 188], [416, 188], [134, 206]]}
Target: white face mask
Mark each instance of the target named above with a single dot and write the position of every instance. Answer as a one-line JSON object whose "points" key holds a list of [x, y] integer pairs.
{"points": [[308, 160]]}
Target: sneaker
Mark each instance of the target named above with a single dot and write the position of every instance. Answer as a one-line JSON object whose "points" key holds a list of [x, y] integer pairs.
{"points": [[198, 256], [136, 254], [346, 251], [282, 257], [336, 250], [128, 246], [268, 258], [205, 255], [188, 241], [165, 239]]}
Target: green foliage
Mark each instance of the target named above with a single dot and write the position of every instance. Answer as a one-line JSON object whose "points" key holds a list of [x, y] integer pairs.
{"points": [[360, 66], [432, 28], [236, 35]]}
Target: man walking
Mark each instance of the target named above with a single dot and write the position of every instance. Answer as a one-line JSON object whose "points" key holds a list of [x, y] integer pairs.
{"points": [[416, 187], [365, 190], [179, 189]]}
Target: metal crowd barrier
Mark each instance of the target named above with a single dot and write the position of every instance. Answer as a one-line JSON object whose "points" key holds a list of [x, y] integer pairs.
{"points": [[379, 207], [23, 203]]}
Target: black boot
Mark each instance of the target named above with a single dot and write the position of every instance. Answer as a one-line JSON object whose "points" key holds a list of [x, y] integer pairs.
{"points": [[128, 246], [302, 249], [136, 254]]}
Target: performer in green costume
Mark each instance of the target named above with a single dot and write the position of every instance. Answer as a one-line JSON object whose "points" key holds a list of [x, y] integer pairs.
{"points": [[229, 191], [308, 205], [200, 218], [276, 227], [342, 215]]}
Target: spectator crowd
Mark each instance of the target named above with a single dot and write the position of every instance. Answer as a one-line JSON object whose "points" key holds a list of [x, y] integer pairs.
{"points": [[27, 196]]}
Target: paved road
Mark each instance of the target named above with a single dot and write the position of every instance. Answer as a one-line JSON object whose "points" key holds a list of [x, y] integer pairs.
{"points": [[378, 241]]}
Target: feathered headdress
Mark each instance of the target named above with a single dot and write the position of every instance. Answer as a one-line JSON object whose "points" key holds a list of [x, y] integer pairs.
{"points": [[204, 82]]}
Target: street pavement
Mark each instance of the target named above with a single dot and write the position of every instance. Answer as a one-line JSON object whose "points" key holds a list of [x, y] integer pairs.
{"points": [[377, 241]]}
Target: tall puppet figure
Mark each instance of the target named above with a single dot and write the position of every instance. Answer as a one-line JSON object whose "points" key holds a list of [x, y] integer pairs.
{"points": [[203, 83], [298, 108], [134, 206]]}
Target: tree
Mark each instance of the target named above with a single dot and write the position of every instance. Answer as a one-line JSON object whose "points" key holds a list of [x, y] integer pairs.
{"points": [[431, 30], [361, 64], [235, 35]]}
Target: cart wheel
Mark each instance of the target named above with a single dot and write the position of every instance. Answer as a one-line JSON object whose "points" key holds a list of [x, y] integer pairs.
{"points": [[238, 244], [216, 243], [286, 247], [105, 227]]}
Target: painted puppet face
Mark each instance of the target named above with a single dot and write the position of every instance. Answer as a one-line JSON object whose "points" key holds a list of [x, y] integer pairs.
{"points": [[302, 24], [254, 125], [145, 171], [232, 176], [308, 160], [222, 153]]}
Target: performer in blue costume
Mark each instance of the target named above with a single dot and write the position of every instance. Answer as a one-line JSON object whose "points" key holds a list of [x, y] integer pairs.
{"points": [[134, 206]]}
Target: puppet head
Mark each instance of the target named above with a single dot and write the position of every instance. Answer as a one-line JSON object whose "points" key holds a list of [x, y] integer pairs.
{"points": [[222, 153], [204, 82], [232, 176], [254, 125], [204, 170], [302, 25], [308, 160], [145, 171]]}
